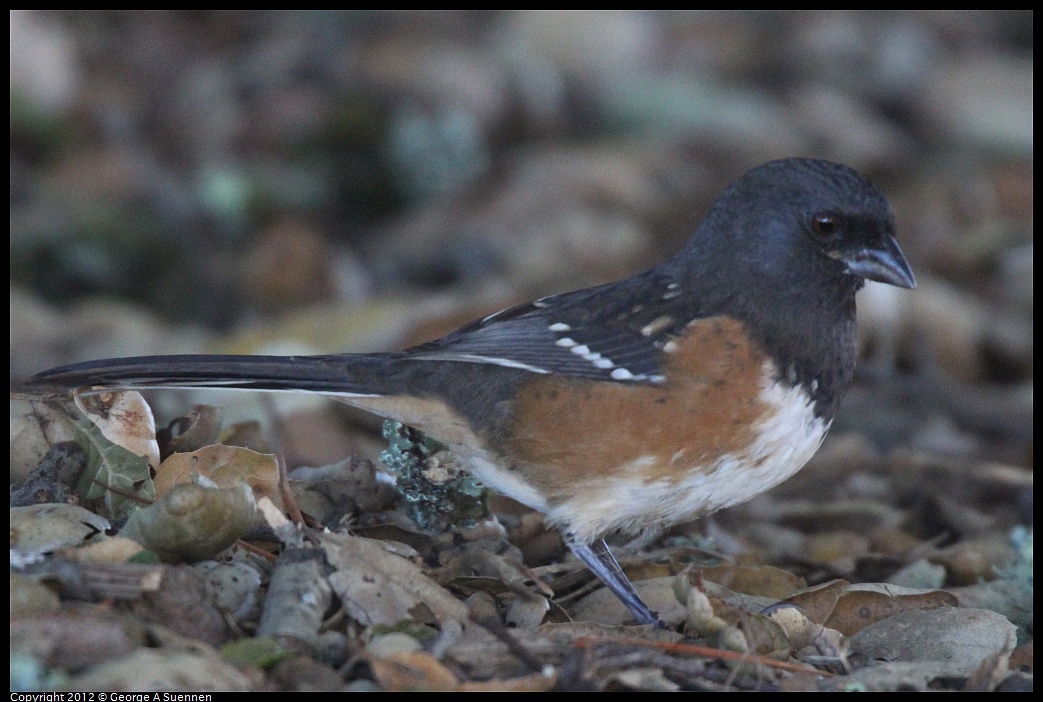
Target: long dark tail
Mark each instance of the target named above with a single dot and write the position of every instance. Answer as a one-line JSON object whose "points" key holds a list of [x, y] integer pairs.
{"points": [[351, 374]]}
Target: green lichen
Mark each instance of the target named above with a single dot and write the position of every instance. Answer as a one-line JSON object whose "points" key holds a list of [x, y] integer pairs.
{"points": [[439, 493]]}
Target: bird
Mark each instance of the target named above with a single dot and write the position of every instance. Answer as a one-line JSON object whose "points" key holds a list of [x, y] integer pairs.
{"points": [[634, 405]]}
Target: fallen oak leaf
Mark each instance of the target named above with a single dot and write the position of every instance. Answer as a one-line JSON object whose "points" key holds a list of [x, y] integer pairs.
{"points": [[226, 466]]}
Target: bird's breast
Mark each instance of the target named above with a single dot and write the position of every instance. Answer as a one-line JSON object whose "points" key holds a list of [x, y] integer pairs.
{"points": [[722, 428]]}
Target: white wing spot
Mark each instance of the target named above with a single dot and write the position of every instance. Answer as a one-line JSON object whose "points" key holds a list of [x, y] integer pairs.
{"points": [[672, 290], [594, 357], [560, 327], [566, 342], [657, 325], [622, 374]]}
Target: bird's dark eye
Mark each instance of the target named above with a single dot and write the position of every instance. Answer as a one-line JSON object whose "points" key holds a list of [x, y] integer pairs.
{"points": [[825, 224]]}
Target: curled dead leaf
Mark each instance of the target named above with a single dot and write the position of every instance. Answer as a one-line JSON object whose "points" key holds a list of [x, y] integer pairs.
{"points": [[192, 522], [226, 466]]}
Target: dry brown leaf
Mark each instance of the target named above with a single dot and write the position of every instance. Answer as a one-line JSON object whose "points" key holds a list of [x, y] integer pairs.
{"points": [[412, 672], [226, 466], [819, 601], [869, 603], [764, 580], [378, 586]]}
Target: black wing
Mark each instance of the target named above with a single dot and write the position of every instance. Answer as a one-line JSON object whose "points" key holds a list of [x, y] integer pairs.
{"points": [[598, 333]]}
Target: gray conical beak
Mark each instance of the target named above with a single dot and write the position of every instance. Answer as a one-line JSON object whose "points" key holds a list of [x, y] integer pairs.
{"points": [[883, 262]]}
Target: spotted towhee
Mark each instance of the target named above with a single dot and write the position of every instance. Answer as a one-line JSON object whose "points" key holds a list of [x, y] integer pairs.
{"points": [[637, 404]]}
